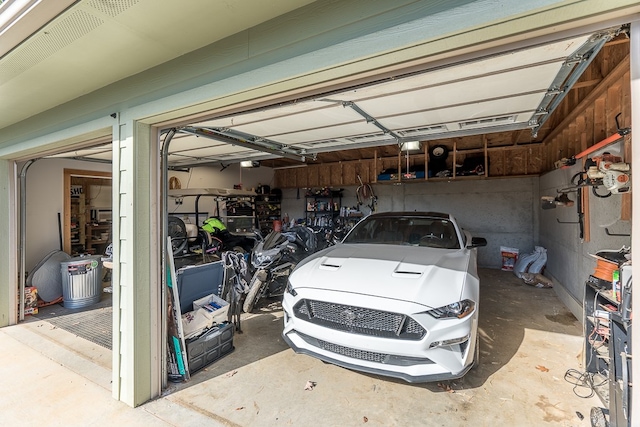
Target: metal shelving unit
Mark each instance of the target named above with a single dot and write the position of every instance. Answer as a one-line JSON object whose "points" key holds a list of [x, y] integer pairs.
{"points": [[607, 331]]}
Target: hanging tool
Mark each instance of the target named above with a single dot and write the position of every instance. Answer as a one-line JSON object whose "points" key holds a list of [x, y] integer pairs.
{"points": [[547, 204], [621, 132], [364, 193], [607, 171]]}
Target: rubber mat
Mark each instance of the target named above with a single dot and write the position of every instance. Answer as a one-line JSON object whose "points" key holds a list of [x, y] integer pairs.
{"points": [[92, 323]]}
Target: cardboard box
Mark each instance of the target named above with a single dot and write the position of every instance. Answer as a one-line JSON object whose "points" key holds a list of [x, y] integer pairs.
{"points": [[214, 305], [207, 312]]}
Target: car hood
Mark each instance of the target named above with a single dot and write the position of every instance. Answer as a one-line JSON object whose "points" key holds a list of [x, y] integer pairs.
{"points": [[428, 276]]}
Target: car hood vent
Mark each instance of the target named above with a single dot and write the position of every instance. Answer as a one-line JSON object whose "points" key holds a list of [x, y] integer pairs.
{"points": [[330, 265]]}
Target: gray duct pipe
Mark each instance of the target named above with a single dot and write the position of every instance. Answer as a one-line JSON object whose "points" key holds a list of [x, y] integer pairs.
{"points": [[23, 233]]}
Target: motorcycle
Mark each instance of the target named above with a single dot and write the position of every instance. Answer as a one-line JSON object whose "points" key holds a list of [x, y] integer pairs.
{"points": [[210, 239], [273, 259]]}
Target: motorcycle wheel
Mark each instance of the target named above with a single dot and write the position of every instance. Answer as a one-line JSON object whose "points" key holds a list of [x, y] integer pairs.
{"points": [[177, 230], [255, 286]]}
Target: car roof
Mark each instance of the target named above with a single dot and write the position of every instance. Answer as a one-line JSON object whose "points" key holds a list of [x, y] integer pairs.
{"points": [[411, 214]]}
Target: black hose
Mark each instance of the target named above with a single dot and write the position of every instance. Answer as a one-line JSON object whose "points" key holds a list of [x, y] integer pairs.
{"points": [[60, 230]]}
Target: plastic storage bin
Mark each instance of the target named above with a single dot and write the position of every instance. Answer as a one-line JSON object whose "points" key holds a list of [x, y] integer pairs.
{"points": [[209, 347], [81, 281]]}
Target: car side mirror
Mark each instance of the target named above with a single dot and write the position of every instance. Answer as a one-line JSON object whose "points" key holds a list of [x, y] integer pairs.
{"points": [[477, 242]]}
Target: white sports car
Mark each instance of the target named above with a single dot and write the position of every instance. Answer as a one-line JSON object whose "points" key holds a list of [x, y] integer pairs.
{"points": [[398, 297]]}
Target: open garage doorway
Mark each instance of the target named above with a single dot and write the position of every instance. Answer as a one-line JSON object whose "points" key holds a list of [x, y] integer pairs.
{"points": [[67, 206], [499, 108]]}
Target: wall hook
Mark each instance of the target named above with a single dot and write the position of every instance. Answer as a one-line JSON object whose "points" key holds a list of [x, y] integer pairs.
{"points": [[606, 230], [567, 222]]}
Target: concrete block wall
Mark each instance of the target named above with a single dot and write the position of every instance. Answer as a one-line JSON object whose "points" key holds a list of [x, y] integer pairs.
{"points": [[504, 211], [570, 260]]}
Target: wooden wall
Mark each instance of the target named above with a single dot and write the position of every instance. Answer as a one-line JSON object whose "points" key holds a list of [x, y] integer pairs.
{"points": [[326, 174]]}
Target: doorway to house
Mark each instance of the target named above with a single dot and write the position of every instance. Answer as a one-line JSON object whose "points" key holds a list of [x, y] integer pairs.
{"points": [[87, 211]]}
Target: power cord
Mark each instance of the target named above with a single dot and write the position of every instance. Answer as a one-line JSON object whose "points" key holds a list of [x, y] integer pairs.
{"points": [[583, 380]]}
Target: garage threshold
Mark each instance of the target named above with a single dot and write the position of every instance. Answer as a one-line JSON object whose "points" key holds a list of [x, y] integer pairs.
{"points": [[528, 341]]}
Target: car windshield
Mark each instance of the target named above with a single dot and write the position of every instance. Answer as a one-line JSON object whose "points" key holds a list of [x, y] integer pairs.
{"points": [[414, 231]]}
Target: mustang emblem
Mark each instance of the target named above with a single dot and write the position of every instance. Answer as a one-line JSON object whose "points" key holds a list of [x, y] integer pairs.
{"points": [[348, 317]]}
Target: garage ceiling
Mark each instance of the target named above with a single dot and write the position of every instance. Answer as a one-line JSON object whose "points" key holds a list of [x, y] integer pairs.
{"points": [[511, 91]]}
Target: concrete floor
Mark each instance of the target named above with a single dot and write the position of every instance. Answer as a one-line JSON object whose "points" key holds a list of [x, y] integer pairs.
{"points": [[528, 341]]}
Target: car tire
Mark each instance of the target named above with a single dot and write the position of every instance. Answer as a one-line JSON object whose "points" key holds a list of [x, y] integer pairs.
{"points": [[255, 286], [438, 152]]}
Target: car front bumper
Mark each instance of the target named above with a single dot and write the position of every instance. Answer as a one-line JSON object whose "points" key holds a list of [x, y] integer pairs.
{"points": [[410, 360]]}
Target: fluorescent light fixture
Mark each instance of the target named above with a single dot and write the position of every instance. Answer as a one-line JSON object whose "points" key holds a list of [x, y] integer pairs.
{"points": [[411, 146], [249, 164]]}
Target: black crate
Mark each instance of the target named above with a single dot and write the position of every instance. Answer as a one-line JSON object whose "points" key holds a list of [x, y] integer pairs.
{"points": [[209, 347]]}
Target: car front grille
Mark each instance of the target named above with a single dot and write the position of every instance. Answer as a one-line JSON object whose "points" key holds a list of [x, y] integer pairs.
{"points": [[353, 352], [367, 355], [359, 320]]}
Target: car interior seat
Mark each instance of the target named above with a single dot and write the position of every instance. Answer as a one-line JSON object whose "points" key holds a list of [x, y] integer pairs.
{"points": [[446, 234], [416, 233], [437, 229]]}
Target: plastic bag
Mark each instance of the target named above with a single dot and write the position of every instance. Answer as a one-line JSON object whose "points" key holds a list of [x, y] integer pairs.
{"points": [[509, 257], [524, 262], [538, 265]]}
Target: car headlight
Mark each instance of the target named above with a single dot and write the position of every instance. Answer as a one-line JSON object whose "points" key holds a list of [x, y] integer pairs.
{"points": [[258, 260], [457, 310], [289, 289]]}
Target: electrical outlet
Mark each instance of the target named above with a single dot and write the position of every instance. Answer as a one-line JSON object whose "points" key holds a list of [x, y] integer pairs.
{"points": [[178, 200]]}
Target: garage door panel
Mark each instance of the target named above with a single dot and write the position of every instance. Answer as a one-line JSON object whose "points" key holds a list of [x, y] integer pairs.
{"points": [[463, 92], [454, 116], [554, 52], [215, 150], [329, 132], [192, 142], [329, 115], [284, 110]]}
